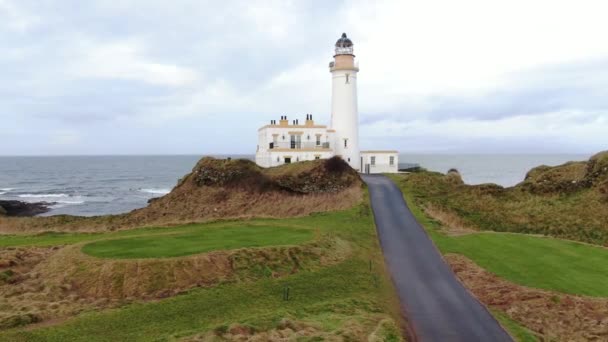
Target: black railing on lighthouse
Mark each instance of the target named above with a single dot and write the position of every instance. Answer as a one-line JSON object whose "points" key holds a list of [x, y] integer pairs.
{"points": [[296, 145]]}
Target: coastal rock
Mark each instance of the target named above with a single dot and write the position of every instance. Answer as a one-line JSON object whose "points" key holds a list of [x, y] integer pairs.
{"points": [[19, 208]]}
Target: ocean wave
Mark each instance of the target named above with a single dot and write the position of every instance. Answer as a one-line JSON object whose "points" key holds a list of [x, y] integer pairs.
{"points": [[43, 195], [70, 202], [156, 191]]}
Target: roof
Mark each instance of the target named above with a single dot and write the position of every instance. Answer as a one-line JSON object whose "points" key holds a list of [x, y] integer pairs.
{"points": [[344, 42], [381, 151], [292, 126]]}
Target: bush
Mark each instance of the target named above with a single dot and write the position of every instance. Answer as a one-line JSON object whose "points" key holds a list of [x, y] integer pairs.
{"points": [[336, 164]]}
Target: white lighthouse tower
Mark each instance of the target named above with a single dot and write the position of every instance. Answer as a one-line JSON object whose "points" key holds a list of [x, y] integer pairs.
{"points": [[344, 111], [282, 142]]}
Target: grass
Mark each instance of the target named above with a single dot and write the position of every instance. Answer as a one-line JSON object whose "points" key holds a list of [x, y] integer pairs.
{"points": [[520, 333], [258, 304], [198, 241], [580, 214], [354, 290], [57, 238], [546, 263]]}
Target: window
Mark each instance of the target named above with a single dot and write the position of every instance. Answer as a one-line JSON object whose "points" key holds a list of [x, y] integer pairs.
{"points": [[308, 137], [345, 143], [287, 160], [296, 141], [373, 160], [317, 157], [318, 140], [391, 160]]}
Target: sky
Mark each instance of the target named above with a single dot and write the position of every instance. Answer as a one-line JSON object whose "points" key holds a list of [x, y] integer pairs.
{"points": [[200, 77]]}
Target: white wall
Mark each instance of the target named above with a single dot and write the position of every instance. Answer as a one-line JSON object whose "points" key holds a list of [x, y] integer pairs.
{"points": [[382, 162], [344, 115], [270, 159], [267, 157]]}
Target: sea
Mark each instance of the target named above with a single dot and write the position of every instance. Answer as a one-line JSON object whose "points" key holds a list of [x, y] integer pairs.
{"points": [[100, 185]]}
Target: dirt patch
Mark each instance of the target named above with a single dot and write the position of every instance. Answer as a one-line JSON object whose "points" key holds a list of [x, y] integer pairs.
{"points": [[66, 282], [551, 315], [221, 189]]}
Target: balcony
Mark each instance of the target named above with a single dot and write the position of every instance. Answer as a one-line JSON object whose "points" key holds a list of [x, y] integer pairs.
{"points": [[297, 145]]}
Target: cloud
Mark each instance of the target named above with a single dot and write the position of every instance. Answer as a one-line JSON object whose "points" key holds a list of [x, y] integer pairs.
{"points": [[125, 60], [205, 75], [13, 18]]}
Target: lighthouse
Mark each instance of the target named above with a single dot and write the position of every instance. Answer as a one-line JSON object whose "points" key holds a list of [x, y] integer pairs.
{"points": [[344, 111], [287, 141]]}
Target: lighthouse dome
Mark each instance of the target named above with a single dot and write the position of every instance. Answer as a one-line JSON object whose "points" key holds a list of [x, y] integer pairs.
{"points": [[344, 42], [344, 46]]}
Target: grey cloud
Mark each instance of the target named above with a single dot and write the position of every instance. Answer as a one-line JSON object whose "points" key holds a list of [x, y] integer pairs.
{"points": [[576, 86]]}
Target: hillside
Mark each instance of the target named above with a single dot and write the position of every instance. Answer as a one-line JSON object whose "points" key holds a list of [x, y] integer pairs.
{"points": [[568, 201], [312, 278], [222, 189]]}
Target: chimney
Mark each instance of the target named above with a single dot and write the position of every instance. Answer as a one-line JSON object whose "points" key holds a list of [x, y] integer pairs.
{"points": [[309, 121], [283, 121]]}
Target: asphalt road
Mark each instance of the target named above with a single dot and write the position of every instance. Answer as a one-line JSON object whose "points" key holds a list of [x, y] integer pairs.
{"points": [[436, 304]]}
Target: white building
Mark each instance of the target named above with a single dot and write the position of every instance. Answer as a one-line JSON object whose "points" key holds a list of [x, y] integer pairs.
{"points": [[281, 142]]}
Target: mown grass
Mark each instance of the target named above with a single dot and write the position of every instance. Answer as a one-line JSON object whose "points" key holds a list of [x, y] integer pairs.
{"points": [[355, 289], [540, 262], [545, 263], [58, 238], [198, 241]]}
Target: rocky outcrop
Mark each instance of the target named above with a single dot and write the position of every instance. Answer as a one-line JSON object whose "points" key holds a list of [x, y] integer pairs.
{"points": [[323, 176], [223, 189], [568, 178], [330, 176], [19, 208]]}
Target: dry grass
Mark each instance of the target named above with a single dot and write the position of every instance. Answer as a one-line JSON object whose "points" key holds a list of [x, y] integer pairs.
{"points": [[66, 281], [221, 189], [362, 327], [552, 316], [451, 223], [568, 201]]}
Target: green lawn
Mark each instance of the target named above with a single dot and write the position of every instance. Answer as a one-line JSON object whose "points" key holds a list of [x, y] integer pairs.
{"points": [[352, 291], [198, 241], [546, 263], [55, 239]]}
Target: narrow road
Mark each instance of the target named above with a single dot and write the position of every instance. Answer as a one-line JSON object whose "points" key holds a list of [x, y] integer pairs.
{"points": [[436, 304]]}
